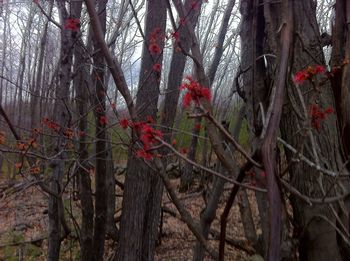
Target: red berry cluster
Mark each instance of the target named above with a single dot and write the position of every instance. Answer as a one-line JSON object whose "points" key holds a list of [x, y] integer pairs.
{"points": [[194, 92]]}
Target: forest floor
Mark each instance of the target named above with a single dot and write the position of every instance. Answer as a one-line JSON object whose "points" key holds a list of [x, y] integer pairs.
{"points": [[24, 222]]}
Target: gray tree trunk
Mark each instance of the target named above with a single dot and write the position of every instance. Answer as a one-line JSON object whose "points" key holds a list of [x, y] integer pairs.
{"points": [[62, 118], [143, 188]]}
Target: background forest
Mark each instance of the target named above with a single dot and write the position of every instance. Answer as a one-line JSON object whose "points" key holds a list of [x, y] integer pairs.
{"points": [[174, 130]]}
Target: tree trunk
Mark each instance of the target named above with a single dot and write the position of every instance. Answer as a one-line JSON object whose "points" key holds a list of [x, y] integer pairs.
{"points": [[111, 229], [317, 237], [255, 89], [318, 240], [81, 85], [62, 118], [101, 136], [143, 188], [341, 90], [340, 81]]}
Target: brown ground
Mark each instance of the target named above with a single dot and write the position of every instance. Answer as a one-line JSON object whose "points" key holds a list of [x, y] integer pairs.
{"points": [[23, 218]]}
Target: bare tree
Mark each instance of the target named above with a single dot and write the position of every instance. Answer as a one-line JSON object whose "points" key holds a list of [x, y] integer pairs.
{"points": [[63, 118], [143, 188]]}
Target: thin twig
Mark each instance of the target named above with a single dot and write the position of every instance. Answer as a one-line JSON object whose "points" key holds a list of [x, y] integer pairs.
{"points": [[210, 170]]}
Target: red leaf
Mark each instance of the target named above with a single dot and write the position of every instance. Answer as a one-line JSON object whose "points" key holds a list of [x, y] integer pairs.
{"points": [[320, 69], [300, 77], [195, 92]]}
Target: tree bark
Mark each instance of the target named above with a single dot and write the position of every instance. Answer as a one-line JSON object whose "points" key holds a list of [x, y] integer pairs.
{"points": [[101, 136], [62, 117], [255, 89], [318, 240], [81, 86], [143, 187], [111, 229], [317, 237], [340, 59], [341, 90]]}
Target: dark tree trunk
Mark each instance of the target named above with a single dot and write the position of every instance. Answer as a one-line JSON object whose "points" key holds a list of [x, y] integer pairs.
{"points": [[340, 81], [143, 187], [101, 154], [341, 90], [255, 89], [111, 229], [317, 237], [81, 85]]}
